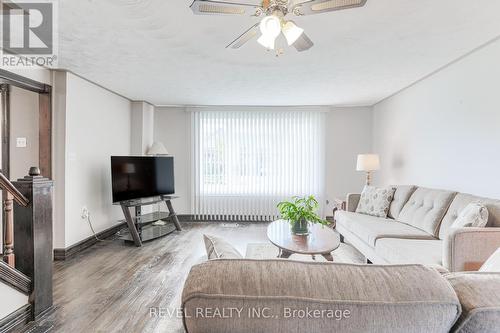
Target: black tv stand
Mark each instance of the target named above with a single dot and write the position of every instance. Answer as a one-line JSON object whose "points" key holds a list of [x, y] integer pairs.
{"points": [[146, 227]]}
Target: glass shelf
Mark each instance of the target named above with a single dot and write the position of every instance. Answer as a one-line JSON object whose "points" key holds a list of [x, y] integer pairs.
{"points": [[145, 201]]}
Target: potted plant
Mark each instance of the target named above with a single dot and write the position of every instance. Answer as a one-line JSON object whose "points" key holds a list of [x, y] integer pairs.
{"points": [[300, 212]]}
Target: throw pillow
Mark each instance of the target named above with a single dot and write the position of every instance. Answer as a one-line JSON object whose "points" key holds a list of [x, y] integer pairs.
{"points": [[493, 263], [474, 214], [375, 201], [218, 248]]}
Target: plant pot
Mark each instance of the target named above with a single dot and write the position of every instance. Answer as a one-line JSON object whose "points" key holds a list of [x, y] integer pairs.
{"points": [[300, 227]]}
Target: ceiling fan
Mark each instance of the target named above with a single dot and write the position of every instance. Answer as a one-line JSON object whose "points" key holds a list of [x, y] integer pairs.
{"points": [[275, 20]]}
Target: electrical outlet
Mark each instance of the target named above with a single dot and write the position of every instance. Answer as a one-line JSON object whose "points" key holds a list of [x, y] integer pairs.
{"points": [[20, 142], [85, 213]]}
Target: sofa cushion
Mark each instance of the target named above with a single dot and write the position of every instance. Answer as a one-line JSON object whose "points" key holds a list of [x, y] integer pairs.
{"points": [[425, 209], [218, 248], [369, 228], [375, 201], [479, 294], [410, 251], [401, 196], [474, 215], [406, 298], [460, 201]]}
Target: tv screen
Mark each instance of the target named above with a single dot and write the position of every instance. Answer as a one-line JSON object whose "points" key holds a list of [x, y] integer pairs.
{"points": [[135, 177]]}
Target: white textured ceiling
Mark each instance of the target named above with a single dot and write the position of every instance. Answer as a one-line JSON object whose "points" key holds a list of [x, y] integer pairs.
{"points": [[158, 51]]}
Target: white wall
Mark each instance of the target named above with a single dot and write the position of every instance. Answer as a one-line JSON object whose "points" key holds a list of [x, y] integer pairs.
{"points": [[24, 116], [444, 131], [142, 127], [348, 133], [95, 124], [59, 157]]}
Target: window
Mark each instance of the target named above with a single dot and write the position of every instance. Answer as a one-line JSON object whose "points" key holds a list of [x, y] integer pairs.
{"points": [[245, 162]]}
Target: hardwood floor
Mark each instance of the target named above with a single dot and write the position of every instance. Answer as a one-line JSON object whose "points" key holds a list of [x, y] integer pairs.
{"points": [[111, 287]]}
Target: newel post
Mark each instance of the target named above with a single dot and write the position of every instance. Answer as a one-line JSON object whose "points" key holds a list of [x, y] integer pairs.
{"points": [[33, 237]]}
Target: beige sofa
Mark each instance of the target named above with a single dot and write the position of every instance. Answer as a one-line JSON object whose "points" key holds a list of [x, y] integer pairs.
{"points": [[281, 296], [418, 230]]}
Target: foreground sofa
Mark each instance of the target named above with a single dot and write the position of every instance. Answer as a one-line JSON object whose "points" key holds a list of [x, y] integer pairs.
{"points": [[281, 296], [418, 230]]}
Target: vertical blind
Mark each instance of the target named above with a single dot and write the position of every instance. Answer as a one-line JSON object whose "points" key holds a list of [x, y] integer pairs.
{"points": [[245, 162]]}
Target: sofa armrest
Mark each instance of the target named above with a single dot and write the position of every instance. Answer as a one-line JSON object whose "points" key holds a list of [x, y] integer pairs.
{"points": [[352, 201], [480, 299], [466, 249]]}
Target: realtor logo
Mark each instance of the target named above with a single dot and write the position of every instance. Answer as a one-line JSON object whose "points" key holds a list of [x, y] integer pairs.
{"points": [[28, 33]]}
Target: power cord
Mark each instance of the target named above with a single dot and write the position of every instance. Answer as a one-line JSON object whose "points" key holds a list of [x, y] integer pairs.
{"points": [[93, 231]]}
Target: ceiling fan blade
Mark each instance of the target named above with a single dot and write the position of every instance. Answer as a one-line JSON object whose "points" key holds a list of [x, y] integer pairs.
{"points": [[323, 6], [218, 7], [244, 37], [303, 43]]}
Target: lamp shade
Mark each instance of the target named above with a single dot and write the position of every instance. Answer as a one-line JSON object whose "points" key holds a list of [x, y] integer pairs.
{"points": [[267, 41], [292, 32], [270, 26], [157, 149], [368, 162]]}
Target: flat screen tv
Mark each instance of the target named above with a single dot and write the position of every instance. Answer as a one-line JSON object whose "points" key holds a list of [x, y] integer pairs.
{"points": [[135, 177]]}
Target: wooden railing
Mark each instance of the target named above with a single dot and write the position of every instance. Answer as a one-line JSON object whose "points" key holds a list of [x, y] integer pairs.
{"points": [[30, 230], [11, 194]]}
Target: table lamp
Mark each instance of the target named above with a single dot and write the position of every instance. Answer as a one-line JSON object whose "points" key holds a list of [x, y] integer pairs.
{"points": [[368, 163], [157, 149]]}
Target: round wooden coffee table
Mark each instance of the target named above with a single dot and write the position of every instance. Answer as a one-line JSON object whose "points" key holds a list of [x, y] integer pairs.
{"points": [[321, 240]]}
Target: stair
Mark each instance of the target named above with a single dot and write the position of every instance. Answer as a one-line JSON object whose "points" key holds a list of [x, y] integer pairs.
{"points": [[12, 277], [19, 287], [16, 319]]}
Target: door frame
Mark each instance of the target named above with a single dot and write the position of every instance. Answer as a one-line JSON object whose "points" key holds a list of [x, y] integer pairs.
{"points": [[44, 91]]}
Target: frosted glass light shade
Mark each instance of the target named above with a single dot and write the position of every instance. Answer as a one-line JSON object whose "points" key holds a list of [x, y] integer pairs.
{"points": [[291, 32], [270, 26], [368, 162], [267, 41], [157, 149]]}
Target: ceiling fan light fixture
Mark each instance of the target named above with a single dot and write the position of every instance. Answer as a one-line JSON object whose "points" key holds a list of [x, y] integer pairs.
{"points": [[273, 14], [292, 32], [267, 41], [270, 26]]}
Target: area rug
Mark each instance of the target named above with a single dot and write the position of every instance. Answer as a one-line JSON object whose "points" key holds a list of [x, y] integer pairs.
{"points": [[345, 254]]}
